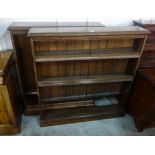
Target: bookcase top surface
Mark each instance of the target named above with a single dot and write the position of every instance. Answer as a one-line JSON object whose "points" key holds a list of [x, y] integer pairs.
{"points": [[76, 31], [27, 25], [144, 22]]}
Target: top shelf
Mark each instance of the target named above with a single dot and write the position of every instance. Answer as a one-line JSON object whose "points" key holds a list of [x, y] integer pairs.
{"points": [[77, 31]]}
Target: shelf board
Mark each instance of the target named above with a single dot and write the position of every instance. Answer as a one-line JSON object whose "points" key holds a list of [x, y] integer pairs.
{"points": [[87, 31], [79, 97], [70, 104], [78, 80], [53, 56], [78, 114]]}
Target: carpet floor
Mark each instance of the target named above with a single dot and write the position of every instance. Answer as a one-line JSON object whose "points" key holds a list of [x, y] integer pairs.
{"points": [[121, 126]]}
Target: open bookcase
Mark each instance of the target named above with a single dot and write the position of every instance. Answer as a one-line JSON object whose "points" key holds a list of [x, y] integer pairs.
{"points": [[23, 58], [76, 66]]}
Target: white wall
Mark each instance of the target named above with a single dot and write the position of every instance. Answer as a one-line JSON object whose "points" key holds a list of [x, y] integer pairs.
{"points": [[5, 41], [108, 12]]}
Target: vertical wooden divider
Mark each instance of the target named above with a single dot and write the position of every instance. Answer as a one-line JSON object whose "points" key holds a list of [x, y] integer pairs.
{"points": [[36, 75]]}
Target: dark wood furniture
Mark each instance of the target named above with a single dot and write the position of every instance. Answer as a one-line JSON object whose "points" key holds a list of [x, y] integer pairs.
{"points": [[148, 57], [73, 66], [142, 100], [24, 61], [10, 95]]}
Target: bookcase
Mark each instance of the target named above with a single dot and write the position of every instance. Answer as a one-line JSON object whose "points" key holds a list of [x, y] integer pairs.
{"points": [[76, 66], [23, 58]]}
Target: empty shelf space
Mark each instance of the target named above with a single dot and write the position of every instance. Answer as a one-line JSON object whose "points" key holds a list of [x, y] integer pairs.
{"points": [[52, 56], [83, 51], [70, 104], [78, 114], [81, 103], [79, 97], [66, 81], [104, 101]]}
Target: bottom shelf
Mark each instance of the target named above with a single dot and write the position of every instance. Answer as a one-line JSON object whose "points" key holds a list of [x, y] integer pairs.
{"points": [[79, 114]]}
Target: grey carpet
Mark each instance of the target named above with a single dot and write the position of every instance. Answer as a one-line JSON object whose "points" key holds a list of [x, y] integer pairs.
{"points": [[108, 127]]}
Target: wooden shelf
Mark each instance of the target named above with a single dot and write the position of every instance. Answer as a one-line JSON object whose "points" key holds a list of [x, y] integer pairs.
{"points": [[49, 56], [69, 104], [79, 97], [78, 114], [66, 81], [86, 31]]}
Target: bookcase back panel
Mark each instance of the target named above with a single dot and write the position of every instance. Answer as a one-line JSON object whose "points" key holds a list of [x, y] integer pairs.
{"points": [[81, 68], [64, 91], [68, 45]]}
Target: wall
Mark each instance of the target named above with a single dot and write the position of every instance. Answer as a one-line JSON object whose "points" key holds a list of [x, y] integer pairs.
{"points": [[5, 41], [108, 12]]}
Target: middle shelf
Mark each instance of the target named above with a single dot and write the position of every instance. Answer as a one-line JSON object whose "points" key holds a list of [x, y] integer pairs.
{"points": [[53, 56], [78, 80]]}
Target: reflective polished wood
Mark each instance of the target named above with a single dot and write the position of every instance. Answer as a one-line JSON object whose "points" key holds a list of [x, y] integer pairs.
{"points": [[10, 95]]}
